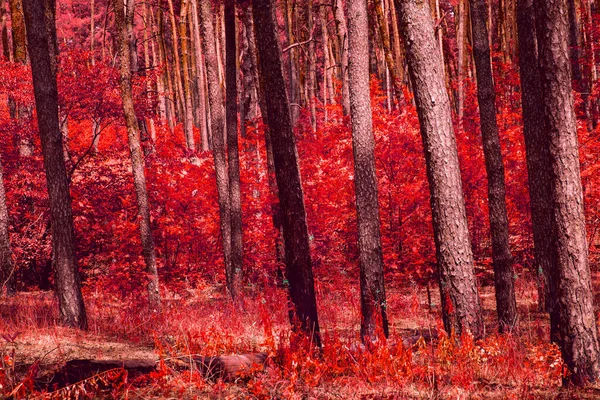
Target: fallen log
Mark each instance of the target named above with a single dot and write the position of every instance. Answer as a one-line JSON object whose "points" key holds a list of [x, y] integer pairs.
{"points": [[225, 367], [74, 371]]}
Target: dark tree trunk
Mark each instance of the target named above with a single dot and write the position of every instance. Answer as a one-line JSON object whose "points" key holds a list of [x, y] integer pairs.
{"points": [[39, 17], [372, 288], [297, 251], [574, 44], [248, 101], [7, 272], [570, 280], [536, 146], [504, 276], [461, 308], [217, 123], [137, 157], [232, 149]]}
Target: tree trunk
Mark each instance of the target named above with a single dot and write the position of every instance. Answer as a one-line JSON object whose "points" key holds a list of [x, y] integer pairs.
{"points": [[188, 120], [39, 17], [18, 31], [372, 288], [536, 146], [233, 158], [5, 42], [248, 101], [137, 158], [217, 122], [461, 308], [200, 78], [570, 281], [341, 27], [7, 271], [504, 275], [297, 250], [311, 82], [177, 72]]}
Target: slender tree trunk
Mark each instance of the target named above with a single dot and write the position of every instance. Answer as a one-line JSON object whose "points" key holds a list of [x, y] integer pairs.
{"points": [[188, 119], [384, 36], [18, 31], [235, 275], [504, 276], [461, 308], [570, 281], [460, 45], [7, 268], [177, 71], [312, 67], [217, 122], [342, 32], [295, 231], [39, 17], [200, 78], [137, 157], [536, 146], [372, 288], [248, 103], [8, 56]]}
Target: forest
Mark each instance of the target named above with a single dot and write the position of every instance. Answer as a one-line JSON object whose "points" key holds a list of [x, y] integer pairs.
{"points": [[299, 199]]}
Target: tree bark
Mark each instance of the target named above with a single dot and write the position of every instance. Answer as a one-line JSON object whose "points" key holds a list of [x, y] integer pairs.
{"points": [[504, 275], [372, 288], [342, 33], [536, 146], [461, 308], [7, 268], [233, 158], [297, 250], [570, 281], [137, 157], [39, 17], [217, 122]]}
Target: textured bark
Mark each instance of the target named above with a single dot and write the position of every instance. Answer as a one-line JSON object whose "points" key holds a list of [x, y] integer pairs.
{"points": [[536, 147], [461, 308], [7, 272], [297, 251], [39, 18], [217, 122], [570, 281], [137, 157], [233, 158], [504, 275], [372, 288], [342, 33]]}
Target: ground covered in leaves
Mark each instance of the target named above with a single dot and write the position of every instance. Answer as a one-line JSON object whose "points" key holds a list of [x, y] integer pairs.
{"points": [[418, 361]]}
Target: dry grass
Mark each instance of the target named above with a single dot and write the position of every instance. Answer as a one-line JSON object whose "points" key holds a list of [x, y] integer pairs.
{"points": [[521, 365]]}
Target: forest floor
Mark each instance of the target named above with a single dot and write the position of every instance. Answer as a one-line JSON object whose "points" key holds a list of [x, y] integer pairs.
{"points": [[519, 365]]}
